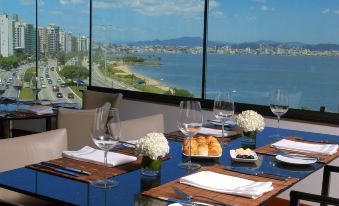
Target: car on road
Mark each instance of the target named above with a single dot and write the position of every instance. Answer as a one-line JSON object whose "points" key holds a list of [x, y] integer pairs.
{"points": [[52, 68], [50, 81], [63, 85], [43, 85], [55, 88], [59, 80], [59, 95], [70, 95], [41, 78], [10, 79], [47, 76]]}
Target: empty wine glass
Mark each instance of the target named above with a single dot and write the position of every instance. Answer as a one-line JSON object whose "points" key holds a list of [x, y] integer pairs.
{"points": [[17, 85], [223, 110], [279, 106], [106, 132], [189, 122], [35, 85]]}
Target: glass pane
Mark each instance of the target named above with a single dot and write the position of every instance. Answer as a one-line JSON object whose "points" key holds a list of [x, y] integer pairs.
{"points": [[148, 46], [256, 47], [63, 49], [17, 47]]}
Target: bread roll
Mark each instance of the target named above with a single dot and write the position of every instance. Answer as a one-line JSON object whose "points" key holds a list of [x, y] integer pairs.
{"points": [[203, 146]]}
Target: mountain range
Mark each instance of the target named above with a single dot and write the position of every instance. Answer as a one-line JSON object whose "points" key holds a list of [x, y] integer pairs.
{"points": [[197, 41]]}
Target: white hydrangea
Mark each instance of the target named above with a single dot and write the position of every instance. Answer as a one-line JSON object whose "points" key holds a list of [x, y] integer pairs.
{"points": [[250, 120], [153, 145]]}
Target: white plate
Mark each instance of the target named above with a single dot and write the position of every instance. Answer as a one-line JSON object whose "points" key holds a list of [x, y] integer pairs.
{"points": [[296, 160], [218, 122], [234, 157], [202, 156]]}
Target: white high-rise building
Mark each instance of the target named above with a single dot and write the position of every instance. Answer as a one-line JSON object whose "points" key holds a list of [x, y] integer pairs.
{"points": [[82, 44], [43, 38], [62, 40], [68, 42], [6, 36], [19, 34], [53, 38]]}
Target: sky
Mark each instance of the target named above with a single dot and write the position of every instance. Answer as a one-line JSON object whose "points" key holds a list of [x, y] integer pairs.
{"points": [[307, 21]]}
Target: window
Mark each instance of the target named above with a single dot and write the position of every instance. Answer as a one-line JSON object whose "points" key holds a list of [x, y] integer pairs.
{"points": [[153, 47], [256, 47]]}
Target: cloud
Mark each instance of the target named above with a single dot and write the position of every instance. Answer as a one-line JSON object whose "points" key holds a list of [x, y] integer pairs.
{"points": [[217, 14], [260, 1], [251, 18], [325, 11], [185, 8], [336, 11], [56, 12], [30, 2], [266, 8], [70, 1]]}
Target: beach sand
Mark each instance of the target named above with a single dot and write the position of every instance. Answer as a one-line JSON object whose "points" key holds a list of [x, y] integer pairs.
{"points": [[148, 80]]}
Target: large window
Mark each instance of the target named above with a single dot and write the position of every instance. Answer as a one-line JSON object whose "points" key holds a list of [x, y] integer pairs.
{"points": [[256, 47], [147, 46]]}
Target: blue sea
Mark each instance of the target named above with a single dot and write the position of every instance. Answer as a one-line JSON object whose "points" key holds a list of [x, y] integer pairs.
{"points": [[311, 81]]}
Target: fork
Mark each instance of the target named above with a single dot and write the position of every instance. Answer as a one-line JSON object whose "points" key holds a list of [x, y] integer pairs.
{"points": [[189, 197]]}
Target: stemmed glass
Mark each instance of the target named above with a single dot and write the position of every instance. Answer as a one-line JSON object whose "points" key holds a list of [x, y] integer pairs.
{"points": [[35, 86], [279, 106], [2, 91], [106, 132], [17, 85], [223, 110], [189, 122]]}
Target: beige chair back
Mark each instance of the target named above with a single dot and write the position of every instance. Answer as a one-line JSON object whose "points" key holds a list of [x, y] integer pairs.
{"points": [[136, 128], [20, 151], [78, 124], [94, 99]]}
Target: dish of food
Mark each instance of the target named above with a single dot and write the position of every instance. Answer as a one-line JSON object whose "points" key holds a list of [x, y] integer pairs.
{"points": [[203, 147], [243, 155]]}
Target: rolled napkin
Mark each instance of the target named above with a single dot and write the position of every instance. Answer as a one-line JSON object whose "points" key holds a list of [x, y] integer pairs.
{"points": [[227, 184], [327, 149], [215, 132], [89, 154]]}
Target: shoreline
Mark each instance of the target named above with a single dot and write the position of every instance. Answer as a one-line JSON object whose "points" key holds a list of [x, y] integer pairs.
{"points": [[149, 81]]}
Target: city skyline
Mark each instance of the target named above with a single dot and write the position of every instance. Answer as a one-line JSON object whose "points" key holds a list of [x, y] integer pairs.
{"points": [[230, 20]]}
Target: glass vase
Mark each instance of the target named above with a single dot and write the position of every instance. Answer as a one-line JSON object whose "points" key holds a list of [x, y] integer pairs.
{"points": [[150, 167], [249, 140]]}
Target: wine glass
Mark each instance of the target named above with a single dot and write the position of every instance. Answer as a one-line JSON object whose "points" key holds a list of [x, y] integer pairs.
{"points": [[279, 106], [17, 85], [189, 122], [223, 110], [106, 132], [35, 85]]}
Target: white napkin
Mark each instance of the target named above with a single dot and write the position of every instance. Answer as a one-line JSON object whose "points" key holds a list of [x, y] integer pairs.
{"points": [[327, 149], [89, 154], [215, 132], [227, 184]]}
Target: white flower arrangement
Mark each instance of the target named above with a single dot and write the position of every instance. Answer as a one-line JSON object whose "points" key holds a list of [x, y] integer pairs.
{"points": [[153, 145], [250, 120]]}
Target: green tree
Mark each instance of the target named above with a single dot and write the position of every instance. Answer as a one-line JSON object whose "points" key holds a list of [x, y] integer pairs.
{"points": [[9, 63], [62, 58], [74, 72]]}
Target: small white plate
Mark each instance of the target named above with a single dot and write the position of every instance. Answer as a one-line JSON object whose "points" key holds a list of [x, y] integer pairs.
{"points": [[202, 156], [296, 160], [234, 157]]}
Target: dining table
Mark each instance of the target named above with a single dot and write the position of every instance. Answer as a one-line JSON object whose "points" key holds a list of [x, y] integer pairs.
{"points": [[133, 185]]}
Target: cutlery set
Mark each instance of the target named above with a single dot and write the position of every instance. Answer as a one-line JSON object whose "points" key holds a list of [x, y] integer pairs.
{"points": [[63, 169]]}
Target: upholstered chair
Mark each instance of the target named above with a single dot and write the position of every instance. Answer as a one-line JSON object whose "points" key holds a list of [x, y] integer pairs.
{"points": [[94, 99], [21, 151]]}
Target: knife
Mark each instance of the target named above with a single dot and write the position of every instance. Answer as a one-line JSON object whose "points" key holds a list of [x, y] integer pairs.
{"points": [[317, 141], [259, 174], [184, 202], [59, 170], [50, 164]]}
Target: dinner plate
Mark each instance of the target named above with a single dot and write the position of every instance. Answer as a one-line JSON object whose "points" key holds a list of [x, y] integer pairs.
{"points": [[203, 156], [234, 157], [297, 160], [218, 122]]}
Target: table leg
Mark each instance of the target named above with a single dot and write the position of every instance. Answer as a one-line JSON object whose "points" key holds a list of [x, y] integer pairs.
{"points": [[6, 126], [48, 123]]}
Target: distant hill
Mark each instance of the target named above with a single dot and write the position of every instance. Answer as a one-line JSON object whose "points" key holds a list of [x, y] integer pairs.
{"points": [[197, 41]]}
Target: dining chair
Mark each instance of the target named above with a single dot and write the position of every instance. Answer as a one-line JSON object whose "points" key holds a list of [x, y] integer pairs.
{"points": [[323, 199], [21, 151], [93, 99], [79, 123]]}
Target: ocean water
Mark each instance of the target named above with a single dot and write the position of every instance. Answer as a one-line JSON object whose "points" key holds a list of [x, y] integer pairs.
{"points": [[312, 82]]}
